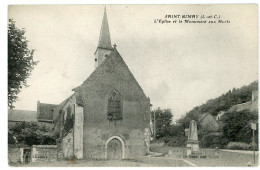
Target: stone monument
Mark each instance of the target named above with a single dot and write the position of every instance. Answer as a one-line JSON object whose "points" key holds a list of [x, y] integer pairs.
{"points": [[193, 142]]}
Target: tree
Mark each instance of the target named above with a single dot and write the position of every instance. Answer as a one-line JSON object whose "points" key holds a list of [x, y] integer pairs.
{"points": [[163, 120], [237, 125], [20, 62], [184, 121]]}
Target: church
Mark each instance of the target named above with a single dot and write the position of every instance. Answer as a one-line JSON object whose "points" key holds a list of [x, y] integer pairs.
{"points": [[108, 115]]}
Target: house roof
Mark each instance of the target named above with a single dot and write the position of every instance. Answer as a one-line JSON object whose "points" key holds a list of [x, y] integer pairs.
{"points": [[45, 112], [204, 115], [22, 115], [57, 109]]}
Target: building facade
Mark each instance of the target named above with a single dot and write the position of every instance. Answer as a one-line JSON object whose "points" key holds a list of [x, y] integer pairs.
{"points": [[108, 115]]}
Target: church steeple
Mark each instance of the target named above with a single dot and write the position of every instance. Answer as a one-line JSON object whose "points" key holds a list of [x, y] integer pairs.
{"points": [[104, 37], [104, 44]]}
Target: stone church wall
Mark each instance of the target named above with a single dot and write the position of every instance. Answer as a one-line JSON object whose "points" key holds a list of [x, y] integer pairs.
{"points": [[67, 145], [113, 75], [131, 129]]}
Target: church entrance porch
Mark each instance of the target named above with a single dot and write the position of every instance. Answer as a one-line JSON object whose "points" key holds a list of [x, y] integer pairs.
{"points": [[115, 148]]}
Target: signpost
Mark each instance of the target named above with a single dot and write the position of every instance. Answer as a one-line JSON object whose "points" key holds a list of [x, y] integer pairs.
{"points": [[154, 123], [253, 127]]}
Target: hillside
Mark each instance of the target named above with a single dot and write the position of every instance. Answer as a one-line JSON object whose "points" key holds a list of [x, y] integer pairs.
{"points": [[234, 126], [222, 103], [225, 101]]}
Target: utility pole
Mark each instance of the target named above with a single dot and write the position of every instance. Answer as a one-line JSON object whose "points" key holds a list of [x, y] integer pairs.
{"points": [[253, 127], [154, 124], [254, 143]]}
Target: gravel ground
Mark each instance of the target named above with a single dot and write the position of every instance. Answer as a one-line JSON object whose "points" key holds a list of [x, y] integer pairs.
{"points": [[86, 163], [226, 158]]}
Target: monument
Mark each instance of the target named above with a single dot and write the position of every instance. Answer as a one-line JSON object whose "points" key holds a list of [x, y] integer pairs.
{"points": [[193, 142]]}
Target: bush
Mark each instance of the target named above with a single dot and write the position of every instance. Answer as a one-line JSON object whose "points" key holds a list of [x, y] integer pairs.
{"points": [[237, 125], [179, 141], [11, 139], [32, 133], [238, 146], [213, 141]]}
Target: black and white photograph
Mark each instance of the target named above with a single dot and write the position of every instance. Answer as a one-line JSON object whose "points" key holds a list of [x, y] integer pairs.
{"points": [[123, 85]]}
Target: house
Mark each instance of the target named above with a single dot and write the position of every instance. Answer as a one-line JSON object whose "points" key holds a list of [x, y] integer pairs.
{"points": [[15, 116], [43, 115], [45, 112], [209, 122], [108, 115]]}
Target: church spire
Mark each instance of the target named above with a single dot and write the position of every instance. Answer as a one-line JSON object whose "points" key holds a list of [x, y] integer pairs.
{"points": [[104, 37], [104, 44]]}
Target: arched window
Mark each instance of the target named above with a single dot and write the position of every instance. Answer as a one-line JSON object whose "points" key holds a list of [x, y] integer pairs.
{"points": [[114, 111]]}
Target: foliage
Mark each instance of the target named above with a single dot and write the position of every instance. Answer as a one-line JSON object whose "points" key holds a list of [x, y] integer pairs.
{"points": [[237, 126], [20, 61], [238, 146], [225, 101], [184, 121], [11, 139], [177, 141], [212, 141], [69, 121], [176, 130], [32, 133], [163, 122]]}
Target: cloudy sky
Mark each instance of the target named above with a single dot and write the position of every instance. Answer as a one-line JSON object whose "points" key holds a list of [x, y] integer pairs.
{"points": [[179, 66]]}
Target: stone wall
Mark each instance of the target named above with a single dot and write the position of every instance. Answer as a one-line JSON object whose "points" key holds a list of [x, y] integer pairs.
{"points": [[67, 145], [14, 154], [43, 153]]}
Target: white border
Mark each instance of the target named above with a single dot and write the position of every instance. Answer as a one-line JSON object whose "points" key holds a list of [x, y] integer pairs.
{"points": [[3, 49]]}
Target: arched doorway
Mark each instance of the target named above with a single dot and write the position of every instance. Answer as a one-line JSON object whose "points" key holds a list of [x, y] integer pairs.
{"points": [[115, 148]]}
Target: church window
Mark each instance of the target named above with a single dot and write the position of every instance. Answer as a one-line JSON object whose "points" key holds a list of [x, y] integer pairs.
{"points": [[114, 106]]}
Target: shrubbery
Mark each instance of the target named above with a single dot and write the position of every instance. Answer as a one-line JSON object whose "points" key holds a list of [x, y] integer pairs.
{"points": [[238, 146], [213, 141], [179, 141], [237, 126], [31, 133], [11, 139]]}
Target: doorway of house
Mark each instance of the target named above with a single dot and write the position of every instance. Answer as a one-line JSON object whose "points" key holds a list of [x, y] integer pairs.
{"points": [[27, 155], [114, 150]]}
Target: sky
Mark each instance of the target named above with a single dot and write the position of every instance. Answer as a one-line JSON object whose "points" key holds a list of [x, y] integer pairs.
{"points": [[179, 66]]}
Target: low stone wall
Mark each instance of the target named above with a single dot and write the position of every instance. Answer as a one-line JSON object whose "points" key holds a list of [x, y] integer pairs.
{"points": [[157, 144], [14, 155], [44, 153]]}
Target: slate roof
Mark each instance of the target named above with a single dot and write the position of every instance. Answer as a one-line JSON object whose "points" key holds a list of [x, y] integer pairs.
{"points": [[114, 63], [204, 115], [104, 37], [15, 115], [57, 109], [45, 112]]}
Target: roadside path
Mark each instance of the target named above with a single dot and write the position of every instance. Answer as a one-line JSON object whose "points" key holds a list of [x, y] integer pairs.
{"points": [[240, 151]]}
